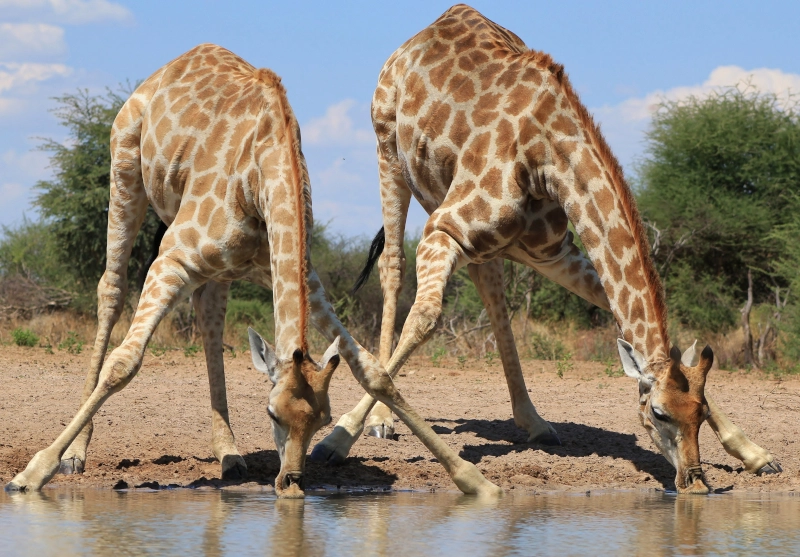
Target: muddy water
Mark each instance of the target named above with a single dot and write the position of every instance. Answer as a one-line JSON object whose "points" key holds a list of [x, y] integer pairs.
{"points": [[187, 522]]}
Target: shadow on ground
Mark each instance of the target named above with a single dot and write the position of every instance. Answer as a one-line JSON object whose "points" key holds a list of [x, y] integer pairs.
{"points": [[263, 466], [579, 440]]}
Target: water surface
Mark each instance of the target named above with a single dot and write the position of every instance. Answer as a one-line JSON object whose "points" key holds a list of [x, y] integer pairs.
{"points": [[189, 522]]}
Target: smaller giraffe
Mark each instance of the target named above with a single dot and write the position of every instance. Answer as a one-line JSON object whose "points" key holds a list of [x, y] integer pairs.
{"points": [[213, 145], [496, 146]]}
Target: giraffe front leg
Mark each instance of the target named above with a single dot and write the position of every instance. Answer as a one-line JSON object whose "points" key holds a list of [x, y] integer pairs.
{"points": [[165, 283], [210, 301], [378, 384], [756, 460], [488, 279]]}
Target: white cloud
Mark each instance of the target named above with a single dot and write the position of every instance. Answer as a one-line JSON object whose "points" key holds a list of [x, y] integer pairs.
{"points": [[15, 75], [764, 80], [336, 127], [624, 124], [25, 40], [11, 191], [74, 12], [30, 164]]}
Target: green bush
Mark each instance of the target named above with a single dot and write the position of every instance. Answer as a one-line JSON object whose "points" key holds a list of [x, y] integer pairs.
{"points": [[544, 347], [24, 337], [71, 344]]}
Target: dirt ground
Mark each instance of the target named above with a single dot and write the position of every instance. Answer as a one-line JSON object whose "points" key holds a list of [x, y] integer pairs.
{"points": [[159, 428]]}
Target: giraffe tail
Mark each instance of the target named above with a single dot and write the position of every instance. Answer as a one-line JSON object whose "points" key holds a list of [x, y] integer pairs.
{"points": [[162, 228], [375, 250]]}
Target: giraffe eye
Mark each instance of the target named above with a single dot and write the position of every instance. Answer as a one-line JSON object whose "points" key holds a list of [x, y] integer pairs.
{"points": [[659, 415]]}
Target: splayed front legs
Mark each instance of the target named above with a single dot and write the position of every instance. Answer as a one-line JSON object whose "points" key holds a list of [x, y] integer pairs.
{"points": [[379, 385], [121, 366]]}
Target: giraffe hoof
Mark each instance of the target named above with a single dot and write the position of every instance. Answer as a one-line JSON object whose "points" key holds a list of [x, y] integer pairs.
{"points": [[11, 487], [770, 468], [233, 467], [548, 439], [72, 465], [325, 455], [381, 431]]}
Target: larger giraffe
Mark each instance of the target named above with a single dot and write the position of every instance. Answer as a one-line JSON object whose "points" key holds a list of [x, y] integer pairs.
{"points": [[494, 143], [212, 144]]}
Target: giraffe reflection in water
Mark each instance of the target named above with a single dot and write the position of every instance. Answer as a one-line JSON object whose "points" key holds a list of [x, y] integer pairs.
{"points": [[222, 522]]}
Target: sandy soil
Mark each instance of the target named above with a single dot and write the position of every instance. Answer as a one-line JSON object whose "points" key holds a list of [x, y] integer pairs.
{"points": [[159, 428]]}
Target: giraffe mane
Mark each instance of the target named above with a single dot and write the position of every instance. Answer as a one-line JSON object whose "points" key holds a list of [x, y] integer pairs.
{"points": [[302, 184], [629, 207]]}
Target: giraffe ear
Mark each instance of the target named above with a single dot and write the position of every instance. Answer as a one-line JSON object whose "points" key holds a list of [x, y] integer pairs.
{"points": [[326, 366], [632, 361], [264, 358]]}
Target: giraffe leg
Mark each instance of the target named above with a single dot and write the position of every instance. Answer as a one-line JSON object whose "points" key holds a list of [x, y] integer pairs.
{"points": [[438, 256], [395, 197], [210, 301], [488, 279], [379, 384], [755, 459], [166, 283], [126, 211]]}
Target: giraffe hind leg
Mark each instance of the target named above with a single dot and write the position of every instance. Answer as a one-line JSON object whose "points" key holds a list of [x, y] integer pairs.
{"points": [[395, 198], [488, 279], [126, 211], [210, 301]]}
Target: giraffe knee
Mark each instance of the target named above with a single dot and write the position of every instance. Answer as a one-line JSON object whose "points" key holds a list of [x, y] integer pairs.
{"points": [[422, 320], [116, 374], [111, 291], [378, 385]]}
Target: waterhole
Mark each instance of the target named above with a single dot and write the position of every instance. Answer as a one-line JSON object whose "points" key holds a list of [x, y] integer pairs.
{"points": [[221, 522]]}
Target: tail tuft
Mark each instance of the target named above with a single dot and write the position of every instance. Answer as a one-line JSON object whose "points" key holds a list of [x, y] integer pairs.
{"points": [[375, 250]]}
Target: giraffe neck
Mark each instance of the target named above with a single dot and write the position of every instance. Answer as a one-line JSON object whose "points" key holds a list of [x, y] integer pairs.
{"points": [[288, 201], [584, 176]]}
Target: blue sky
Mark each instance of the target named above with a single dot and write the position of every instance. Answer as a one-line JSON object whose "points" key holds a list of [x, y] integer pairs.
{"points": [[622, 56]]}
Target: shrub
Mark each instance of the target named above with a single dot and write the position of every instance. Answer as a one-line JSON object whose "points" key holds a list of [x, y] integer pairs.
{"points": [[24, 337]]}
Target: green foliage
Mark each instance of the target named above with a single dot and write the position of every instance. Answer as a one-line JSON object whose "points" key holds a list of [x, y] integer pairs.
{"points": [[24, 337], [31, 250], [715, 182], [787, 267], [74, 205], [242, 314], [700, 301], [191, 350], [564, 365], [438, 354], [71, 344], [545, 347], [613, 369]]}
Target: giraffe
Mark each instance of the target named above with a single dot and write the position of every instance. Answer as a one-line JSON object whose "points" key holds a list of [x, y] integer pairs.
{"points": [[493, 142], [213, 145]]}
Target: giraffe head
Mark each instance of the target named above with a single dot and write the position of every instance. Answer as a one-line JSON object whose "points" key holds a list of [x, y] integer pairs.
{"points": [[672, 407], [298, 405]]}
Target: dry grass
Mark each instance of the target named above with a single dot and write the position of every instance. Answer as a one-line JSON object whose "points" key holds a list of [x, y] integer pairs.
{"points": [[535, 341]]}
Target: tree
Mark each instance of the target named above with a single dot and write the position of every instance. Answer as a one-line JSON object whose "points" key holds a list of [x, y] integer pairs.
{"points": [[75, 203], [716, 180]]}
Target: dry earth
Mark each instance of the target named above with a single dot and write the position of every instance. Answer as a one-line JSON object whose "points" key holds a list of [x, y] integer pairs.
{"points": [[158, 429]]}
